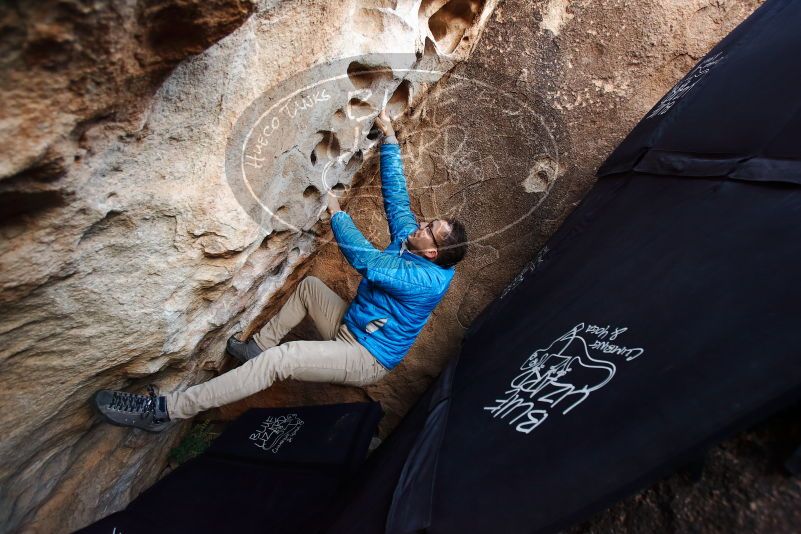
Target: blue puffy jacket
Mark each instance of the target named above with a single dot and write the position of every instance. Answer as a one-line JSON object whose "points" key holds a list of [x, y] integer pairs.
{"points": [[399, 290]]}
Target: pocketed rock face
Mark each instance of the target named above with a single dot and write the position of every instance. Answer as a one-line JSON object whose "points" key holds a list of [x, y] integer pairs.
{"points": [[509, 142], [126, 257]]}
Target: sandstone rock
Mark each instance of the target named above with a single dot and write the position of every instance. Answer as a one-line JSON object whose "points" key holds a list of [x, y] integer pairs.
{"points": [[509, 142], [126, 255], [567, 80]]}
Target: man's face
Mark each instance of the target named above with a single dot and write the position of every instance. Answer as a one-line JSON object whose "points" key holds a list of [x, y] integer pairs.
{"points": [[425, 239]]}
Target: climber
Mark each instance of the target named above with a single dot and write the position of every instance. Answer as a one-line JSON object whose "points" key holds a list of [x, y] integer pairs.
{"points": [[363, 341]]}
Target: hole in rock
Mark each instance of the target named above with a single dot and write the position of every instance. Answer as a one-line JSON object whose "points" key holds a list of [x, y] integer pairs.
{"points": [[365, 76], [15, 203], [293, 254], [278, 269], [451, 21], [399, 100], [430, 48], [327, 149], [354, 162], [373, 134], [339, 188], [275, 239], [311, 200], [359, 109], [282, 219]]}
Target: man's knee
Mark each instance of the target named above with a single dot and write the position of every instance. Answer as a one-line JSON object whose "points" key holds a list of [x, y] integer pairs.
{"points": [[310, 284], [284, 367], [311, 281]]}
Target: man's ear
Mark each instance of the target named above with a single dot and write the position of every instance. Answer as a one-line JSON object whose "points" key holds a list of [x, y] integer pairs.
{"points": [[431, 254]]}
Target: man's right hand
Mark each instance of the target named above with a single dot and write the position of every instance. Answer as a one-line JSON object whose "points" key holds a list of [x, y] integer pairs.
{"points": [[384, 123]]}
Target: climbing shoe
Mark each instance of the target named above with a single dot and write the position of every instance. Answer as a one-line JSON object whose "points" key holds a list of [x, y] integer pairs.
{"points": [[242, 350], [148, 412]]}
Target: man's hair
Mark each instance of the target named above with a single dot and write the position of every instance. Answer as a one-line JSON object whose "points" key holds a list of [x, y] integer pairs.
{"points": [[454, 246]]}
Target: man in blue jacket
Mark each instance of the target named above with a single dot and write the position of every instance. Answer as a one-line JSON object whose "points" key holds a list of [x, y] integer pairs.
{"points": [[363, 341]]}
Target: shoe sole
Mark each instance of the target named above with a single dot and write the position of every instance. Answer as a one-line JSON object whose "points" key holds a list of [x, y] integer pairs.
{"points": [[114, 423]]}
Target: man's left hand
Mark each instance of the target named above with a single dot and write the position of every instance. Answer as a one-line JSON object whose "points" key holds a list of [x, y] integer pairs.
{"points": [[332, 203]]}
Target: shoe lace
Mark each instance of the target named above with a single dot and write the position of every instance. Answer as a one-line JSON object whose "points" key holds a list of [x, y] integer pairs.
{"points": [[144, 405]]}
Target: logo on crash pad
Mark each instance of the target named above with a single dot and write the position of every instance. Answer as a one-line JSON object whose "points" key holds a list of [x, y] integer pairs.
{"points": [[685, 85], [275, 431], [562, 375]]}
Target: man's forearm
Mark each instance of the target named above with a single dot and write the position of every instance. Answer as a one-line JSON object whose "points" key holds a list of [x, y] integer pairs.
{"points": [[389, 135], [384, 123], [393, 187], [352, 243], [332, 203]]}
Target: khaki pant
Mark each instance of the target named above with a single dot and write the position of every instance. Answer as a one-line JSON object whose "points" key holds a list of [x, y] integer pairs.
{"points": [[339, 360]]}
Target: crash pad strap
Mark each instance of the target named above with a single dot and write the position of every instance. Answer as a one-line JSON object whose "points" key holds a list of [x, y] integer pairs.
{"points": [[752, 169]]}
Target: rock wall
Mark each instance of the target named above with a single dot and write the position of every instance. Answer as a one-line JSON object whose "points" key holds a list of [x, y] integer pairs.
{"points": [[130, 252], [510, 141], [127, 254]]}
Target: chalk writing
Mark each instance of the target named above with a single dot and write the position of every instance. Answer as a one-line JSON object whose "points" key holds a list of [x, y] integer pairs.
{"points": [[255, 155], [275, 431], [303, 102], [610, 348], [685, 84], [529, 267], [362, 95], [560, 376], [602, 331]]}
